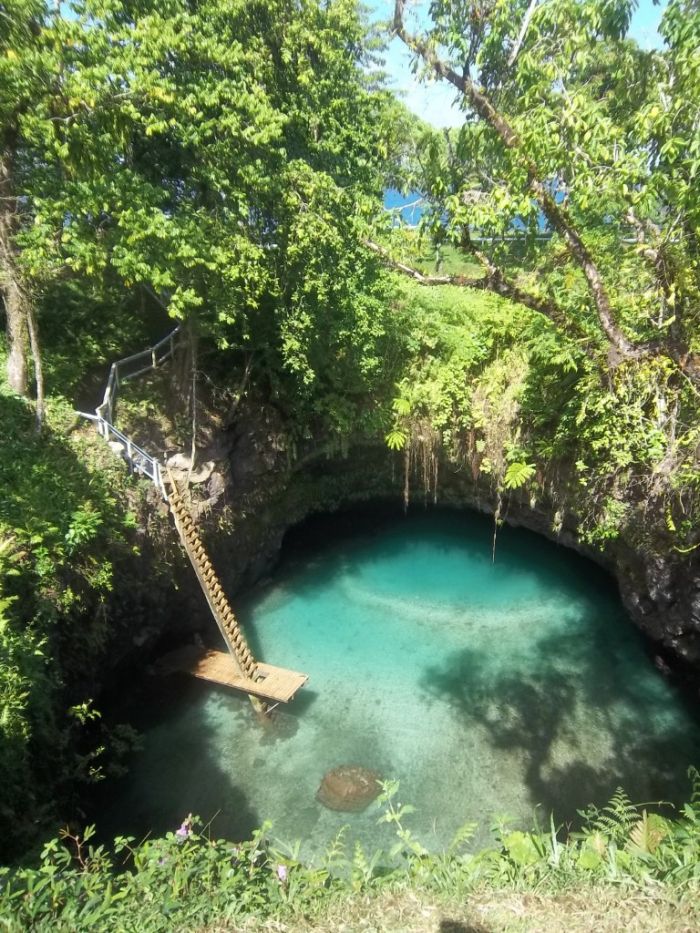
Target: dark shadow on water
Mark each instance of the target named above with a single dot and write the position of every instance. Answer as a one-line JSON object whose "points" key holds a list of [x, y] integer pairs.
{"points": [[284, 720], [301, 703], [528, 706], [166, 782]]}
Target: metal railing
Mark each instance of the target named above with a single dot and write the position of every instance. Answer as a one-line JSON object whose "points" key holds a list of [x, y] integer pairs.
{"points": [[132, 366], [139, 460]]}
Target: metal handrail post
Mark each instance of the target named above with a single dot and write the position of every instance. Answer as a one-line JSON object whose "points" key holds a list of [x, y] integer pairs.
{"points": [[138, 459]]}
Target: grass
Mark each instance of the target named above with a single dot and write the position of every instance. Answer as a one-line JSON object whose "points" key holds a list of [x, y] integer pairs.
{"points": [[603, 909], [448, 260]]}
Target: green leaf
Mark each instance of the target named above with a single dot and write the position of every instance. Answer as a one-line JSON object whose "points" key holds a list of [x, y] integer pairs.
{"points": [[518, 474], [521, 848], [401, 406], [589, 860], [396, 439]]}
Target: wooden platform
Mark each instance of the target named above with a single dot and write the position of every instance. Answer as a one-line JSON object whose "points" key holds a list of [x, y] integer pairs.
{"points": [[274, 683]]}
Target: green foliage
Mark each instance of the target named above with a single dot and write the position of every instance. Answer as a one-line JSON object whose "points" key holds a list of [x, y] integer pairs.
{"points": [[394, 814], [511, 402], [608, 127], [187, 879], [396, 439], [221, 163], [615, 820], [216, 161], [522, 848], [602, 139], [518, 474], [60, 536], [182, 879]]}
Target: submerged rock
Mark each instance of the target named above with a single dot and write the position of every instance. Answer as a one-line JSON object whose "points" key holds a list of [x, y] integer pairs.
{"points": [[349, 788]]}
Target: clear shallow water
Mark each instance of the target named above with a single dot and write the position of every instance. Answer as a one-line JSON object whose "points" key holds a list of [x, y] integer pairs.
{"points": [[485, 689]]}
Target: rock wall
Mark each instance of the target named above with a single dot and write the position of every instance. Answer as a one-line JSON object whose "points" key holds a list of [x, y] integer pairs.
{"points": [[260, 488], [660, 587]]}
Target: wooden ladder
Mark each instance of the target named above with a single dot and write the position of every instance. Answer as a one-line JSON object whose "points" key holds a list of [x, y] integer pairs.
{"points": [[238, 669]]}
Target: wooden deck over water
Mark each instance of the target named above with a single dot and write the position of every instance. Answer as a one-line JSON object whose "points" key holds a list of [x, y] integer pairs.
{"points": [[272, 683]]}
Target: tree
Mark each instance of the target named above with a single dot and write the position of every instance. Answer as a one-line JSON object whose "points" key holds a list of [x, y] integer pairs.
{"points": [[573, 184], [25, 70], [217, 157], [561, 125]]}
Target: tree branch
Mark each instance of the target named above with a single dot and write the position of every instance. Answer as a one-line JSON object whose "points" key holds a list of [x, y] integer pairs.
{"points": [[493, 281], [556, 215], [462, 280], [523, 31], [656, 255]]}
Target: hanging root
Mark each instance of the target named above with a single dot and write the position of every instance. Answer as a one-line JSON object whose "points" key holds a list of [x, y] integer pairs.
{"points": [[496, 523], [421, 455]]}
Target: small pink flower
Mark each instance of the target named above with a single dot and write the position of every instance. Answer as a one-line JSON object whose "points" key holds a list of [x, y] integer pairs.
{"points": [[282, 873], [185, 830]]}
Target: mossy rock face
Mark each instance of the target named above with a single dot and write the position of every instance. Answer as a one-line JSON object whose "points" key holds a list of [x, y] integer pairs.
{"points": [[349, 788]]}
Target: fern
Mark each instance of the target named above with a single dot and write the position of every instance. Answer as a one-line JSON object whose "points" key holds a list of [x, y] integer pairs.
{"points": [[647, 834], [463, 835], [396, 439], [694, 776], [402, 407], [518, 474], [363, 869], [335, 854], [615, 820]]}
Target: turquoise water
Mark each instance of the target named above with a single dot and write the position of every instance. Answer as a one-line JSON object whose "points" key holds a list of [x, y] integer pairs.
{"points": [[485, 689]]}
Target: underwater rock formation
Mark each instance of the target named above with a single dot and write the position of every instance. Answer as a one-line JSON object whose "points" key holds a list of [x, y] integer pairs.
{"points": [[349, 788]]}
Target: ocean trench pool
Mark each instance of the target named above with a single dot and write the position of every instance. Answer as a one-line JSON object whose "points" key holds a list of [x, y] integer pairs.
{"points": [[486, 689]]}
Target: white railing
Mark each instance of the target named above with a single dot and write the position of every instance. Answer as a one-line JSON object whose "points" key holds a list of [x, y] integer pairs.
{"points": [[131, 367], [139, 460]]}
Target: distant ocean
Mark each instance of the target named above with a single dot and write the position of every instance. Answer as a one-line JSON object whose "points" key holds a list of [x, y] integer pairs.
{"points": [[410, 212]]}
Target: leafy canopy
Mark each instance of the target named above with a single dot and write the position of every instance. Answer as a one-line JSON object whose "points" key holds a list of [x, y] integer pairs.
{"points": [[572, 183], [216, 158]]}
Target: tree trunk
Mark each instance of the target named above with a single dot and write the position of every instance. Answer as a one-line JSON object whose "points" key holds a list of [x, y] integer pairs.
{"points": [[33, 330], [14, 298], [17, 333], [556, 214]]}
